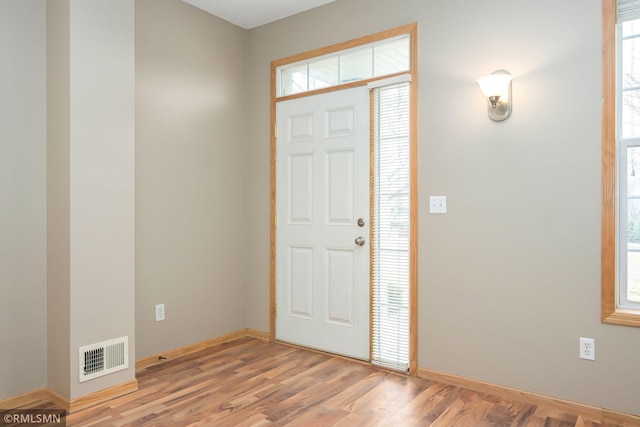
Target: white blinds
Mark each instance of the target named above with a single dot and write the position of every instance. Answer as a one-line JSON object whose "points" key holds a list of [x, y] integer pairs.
{"points": [[628, 10], [390, 249]]}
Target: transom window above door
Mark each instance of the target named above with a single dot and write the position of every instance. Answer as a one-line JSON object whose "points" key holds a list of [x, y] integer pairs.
{"points": [[378, 59]]}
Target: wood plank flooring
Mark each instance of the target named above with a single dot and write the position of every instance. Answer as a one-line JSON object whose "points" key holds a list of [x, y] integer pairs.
{"points": [[249, 382]]}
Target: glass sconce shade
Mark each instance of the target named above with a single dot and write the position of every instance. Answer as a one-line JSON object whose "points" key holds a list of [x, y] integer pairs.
{"points": [[494, 84], [496, 87]]}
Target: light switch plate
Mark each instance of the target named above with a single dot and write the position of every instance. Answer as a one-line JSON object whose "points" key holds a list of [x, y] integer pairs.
{"points": [[437, 204]]}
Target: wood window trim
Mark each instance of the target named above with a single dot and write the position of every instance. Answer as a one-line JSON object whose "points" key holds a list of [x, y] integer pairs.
{"points": [[411, 29], [609, 312]]}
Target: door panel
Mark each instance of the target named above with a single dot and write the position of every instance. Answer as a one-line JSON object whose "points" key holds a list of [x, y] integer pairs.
{"points": [[322, 174], [301, 127], [340, 273], [301, 195], [339, 197], [340, 122], [301, 282]]}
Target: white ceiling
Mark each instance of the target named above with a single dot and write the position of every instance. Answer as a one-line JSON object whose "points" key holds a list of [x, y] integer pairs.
{"points": [[253, 13]]}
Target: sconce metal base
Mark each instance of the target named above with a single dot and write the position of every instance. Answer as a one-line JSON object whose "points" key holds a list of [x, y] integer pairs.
{"points": [[499, 108]]}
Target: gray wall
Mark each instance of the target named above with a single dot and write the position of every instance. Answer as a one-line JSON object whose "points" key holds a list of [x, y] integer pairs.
{"points": [[191, 166], [190, 178], [22, 196], [58, 318], [509, 278], [102, 184], [90, 197]]}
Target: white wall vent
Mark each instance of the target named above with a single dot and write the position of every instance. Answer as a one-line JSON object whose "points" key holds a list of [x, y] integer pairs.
{"points": [[103, 358]]}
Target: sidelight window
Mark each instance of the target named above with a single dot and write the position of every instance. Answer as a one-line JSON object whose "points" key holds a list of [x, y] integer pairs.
{"points": [[390, 251]]}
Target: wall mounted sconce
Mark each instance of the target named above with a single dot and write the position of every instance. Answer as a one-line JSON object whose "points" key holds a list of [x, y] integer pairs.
{"points": [[497, 88]]}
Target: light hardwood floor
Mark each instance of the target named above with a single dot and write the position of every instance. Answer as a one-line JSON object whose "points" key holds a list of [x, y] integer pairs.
{"points": [[249, 382]]}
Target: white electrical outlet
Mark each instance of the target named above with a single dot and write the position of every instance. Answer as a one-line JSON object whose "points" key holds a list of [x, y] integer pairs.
{"points": [[159, 312], [587, 348]]}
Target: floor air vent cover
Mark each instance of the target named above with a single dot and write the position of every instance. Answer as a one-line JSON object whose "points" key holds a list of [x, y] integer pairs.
{"points": [[103, 358]]}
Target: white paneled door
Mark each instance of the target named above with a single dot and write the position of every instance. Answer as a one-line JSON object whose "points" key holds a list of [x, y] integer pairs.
{"points": [[322, 234]]}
